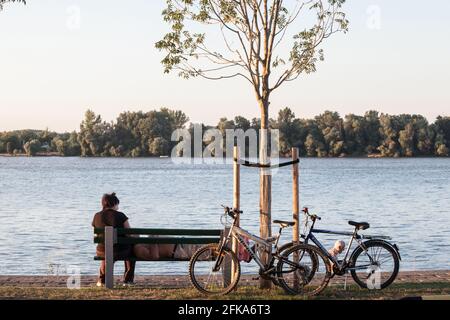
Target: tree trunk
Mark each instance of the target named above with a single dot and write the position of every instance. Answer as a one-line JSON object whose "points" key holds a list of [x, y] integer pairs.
{"points": [[265, 194]]}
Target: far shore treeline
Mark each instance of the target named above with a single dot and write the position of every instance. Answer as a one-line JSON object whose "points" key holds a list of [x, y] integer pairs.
{"points": [[141, 134]]}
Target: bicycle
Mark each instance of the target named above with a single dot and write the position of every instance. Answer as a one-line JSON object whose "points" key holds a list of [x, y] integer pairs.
{"points": [[209, 266], [373, 264]]}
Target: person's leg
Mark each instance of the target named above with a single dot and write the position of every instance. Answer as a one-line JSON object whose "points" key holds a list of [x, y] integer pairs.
{"points": [[128, 276], [102, 271], [101, 277]]}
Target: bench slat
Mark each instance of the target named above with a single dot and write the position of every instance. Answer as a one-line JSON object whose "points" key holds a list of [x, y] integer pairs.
{"points": [[204, 240], [167, 240], [170, 232], [136, 259], [164, 232]]}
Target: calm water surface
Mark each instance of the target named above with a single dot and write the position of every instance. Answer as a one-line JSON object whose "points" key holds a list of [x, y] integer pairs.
{"points": [[47, 204]]}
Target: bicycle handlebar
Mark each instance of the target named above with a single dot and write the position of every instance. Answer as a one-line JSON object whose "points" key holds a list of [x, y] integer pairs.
{"points": [[305, 210], [233, 213]]}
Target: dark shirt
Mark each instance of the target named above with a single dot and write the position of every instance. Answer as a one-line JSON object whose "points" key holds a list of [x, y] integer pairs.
{"points": [[110, 218]]}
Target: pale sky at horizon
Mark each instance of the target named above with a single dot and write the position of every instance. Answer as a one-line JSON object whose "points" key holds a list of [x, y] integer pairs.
{"points": [[51, 73]]}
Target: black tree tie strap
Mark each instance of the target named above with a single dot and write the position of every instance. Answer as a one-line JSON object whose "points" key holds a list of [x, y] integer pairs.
{"points": [[246, 163]]}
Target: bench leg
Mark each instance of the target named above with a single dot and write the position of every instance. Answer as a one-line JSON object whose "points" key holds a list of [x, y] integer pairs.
{"points": [[109, 257]]}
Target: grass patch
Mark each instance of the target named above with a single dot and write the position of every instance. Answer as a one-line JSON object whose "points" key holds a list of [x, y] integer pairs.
{"points": [[396, 291]]}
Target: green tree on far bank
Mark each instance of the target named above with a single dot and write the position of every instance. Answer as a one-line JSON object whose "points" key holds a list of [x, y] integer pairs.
{"points": [[442, 129], [144, 134], [32, 147]]}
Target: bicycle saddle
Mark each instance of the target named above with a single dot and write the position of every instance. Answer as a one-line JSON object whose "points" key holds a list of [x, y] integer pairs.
{"points": [[284, 224], [359, 225]]}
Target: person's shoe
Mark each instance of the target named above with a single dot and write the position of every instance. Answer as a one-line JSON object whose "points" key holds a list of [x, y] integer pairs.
{"points": [[100, 284]]}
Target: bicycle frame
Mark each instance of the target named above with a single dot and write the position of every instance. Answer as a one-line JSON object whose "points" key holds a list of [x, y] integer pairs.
{"points": [[238, 233], [354, 236]]}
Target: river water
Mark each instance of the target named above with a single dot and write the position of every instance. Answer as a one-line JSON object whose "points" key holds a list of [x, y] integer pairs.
{"points": [[47, 205]]}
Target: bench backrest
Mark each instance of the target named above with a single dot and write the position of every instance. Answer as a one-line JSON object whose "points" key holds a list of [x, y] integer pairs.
{"points": [[161, 236]]}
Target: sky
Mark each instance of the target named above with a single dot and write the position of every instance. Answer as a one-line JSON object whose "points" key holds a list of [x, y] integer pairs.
{"points": [[59, 58]]}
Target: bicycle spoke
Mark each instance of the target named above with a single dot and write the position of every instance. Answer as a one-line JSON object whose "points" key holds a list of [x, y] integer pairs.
{"points": [[385, 259], [376, 265], [205, 278], [302, 270]]}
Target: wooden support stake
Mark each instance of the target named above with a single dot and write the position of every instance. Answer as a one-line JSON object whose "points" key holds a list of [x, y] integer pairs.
{"points": [[236, 200], [295, 197], [295, 209], [110, 239]]}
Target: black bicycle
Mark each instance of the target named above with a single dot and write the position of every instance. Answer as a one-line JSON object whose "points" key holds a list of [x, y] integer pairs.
{"points": [[375, 262]]}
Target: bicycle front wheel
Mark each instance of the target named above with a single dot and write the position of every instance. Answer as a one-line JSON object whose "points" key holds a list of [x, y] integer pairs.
{"points": [[214, 282], [303, 269], [375, 267]]}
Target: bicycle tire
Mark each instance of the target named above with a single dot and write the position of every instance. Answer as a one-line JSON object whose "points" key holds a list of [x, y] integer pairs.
{"points": [[282, 249], [316, 255], [196, 280], [370, 245]]}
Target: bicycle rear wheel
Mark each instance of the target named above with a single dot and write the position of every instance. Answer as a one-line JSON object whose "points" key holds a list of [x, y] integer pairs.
{"points": [[376, 267], [211, 282], [303, 269]]}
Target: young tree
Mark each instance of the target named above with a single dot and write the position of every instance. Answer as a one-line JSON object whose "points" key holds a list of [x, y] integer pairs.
{"points": [[254, 47]]}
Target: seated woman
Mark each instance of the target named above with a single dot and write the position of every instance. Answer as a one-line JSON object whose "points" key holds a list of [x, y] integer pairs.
{"points": [[110, 216]]}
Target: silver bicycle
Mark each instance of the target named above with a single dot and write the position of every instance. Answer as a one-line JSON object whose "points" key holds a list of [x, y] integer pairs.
{"points": [[300, 269]]}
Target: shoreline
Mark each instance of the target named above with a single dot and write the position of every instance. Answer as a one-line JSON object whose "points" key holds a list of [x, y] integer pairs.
{"points": [[182, 281], [367, 156]]}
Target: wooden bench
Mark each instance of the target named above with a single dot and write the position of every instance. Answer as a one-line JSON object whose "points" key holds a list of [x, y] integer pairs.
{"points": [[110, 236]]}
